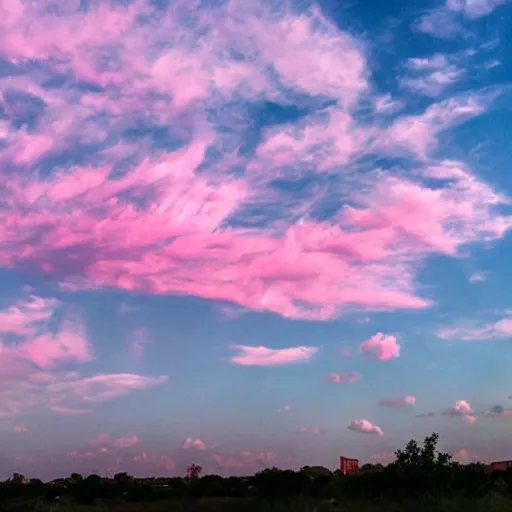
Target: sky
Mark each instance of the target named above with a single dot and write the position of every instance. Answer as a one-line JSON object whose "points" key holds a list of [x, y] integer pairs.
{"points": [[245, 234]]}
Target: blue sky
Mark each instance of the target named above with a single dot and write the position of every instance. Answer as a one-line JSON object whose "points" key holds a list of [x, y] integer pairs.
{"points": [[247, 234]]}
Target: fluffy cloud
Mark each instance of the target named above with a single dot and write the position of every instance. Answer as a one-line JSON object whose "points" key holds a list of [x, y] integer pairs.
{"points": [[131, 209], [194, 443], [365, 427], [263, 356], [381, 346], [104, 460], [461, 409], [405, 401]]}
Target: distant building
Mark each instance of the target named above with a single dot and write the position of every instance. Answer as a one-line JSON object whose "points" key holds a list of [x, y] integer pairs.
{"points": [[349, 466], [501, 465]]}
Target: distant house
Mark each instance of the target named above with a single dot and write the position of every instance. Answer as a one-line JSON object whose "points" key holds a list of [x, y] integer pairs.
{"points": [[349, 466], [501, 465]]}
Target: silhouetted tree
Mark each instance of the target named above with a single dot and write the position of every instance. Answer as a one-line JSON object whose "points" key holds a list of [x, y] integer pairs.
{"points": [[426, 456], [193, 471], [17, 479], [123, 478]]}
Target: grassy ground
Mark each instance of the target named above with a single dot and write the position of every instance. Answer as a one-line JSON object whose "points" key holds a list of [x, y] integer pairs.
{"points": [[491, 503]]}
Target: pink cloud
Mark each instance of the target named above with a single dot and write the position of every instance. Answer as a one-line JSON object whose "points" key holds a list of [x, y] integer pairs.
{"points": [[461, 409], [312, 430], [418, 133], [100, 439], [73, 225], [25, 316], [405, 401], [245, 460], [68, 411], [31, 372], [30, 320], [48, 350], [194, 443], [381, 346], [263, 356], [365, 427], [125, 442], [337, 378], [20, 428], [105, 461]]}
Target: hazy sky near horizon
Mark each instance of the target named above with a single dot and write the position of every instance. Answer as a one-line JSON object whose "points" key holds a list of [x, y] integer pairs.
{"points": [[250, 233]]}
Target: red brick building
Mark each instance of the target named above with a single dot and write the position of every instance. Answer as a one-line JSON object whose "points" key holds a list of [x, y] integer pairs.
{"points": [[501, 465], [349, 466]]}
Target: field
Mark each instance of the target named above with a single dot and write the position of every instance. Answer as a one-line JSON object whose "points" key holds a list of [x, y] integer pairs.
{"points": [[491, 503]]}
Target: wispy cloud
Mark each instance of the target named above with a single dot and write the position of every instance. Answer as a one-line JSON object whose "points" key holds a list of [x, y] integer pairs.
{"points": [[31, 369], [478, 277], [20, 428], [501, 329], [263, 356], [310, 430], [447, 20], [426, 415], [138, 342], [405, 401], [337, 378], [97, 221], [431, 76], [244, 460], [474, 8]]}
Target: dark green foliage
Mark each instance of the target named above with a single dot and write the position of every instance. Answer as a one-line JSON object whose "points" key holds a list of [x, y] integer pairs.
{"points": [[420, 473], [278, 484]]}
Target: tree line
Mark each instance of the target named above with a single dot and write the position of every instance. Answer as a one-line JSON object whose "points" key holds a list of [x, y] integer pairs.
{"points": [[418, 470]]}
